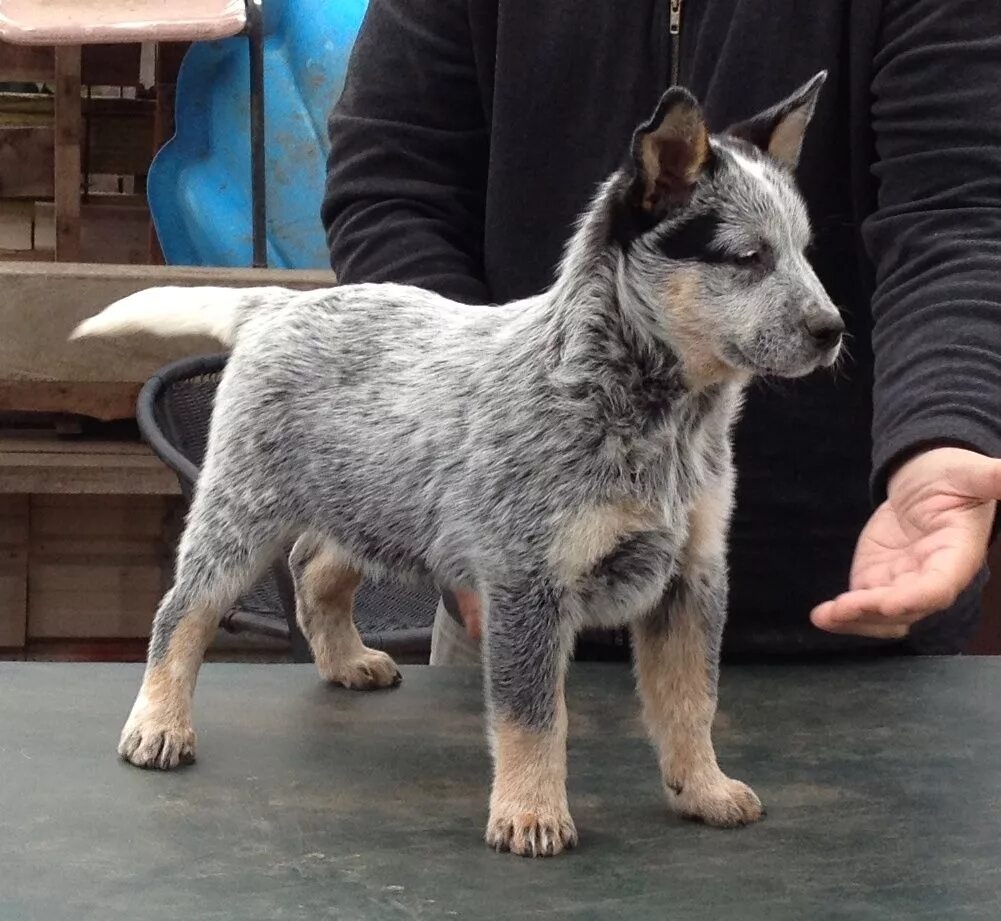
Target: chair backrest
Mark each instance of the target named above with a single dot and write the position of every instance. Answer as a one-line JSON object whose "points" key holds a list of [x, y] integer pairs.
{"points": [[174, 413], [198, 184]]}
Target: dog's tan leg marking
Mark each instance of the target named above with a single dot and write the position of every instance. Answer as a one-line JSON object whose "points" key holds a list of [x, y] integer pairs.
{"points": [[676, 654], [529, 814], [158, 732], [324, 605]]}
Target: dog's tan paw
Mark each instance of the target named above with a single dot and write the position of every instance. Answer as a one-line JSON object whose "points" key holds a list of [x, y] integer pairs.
{"points": [[721, 802], [367, 671], [538, 833], [149, 743]]}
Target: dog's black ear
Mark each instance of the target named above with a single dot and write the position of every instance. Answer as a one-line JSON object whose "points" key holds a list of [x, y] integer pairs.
{"points": [[669, 153], [779, 131]]}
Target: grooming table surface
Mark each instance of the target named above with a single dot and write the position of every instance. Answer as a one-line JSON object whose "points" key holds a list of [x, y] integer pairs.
{"points": [[882, 782]]}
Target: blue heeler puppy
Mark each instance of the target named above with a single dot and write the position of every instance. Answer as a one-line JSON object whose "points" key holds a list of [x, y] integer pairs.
{"points": [[566, 456]]}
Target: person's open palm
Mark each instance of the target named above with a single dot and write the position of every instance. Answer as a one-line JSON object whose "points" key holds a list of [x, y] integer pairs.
{"points": [[921, 547]]}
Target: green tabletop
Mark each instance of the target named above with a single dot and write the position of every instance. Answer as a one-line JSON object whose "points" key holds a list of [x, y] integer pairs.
{"points": [[882, 782]]}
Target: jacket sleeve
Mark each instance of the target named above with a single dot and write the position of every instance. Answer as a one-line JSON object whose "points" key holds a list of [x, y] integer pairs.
{"points": [[406, 174], [935, 235]]}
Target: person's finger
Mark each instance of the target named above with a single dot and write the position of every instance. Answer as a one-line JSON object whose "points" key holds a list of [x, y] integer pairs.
{"points": [[828, 617], [883, 631], [978, 477], [905, 600]]}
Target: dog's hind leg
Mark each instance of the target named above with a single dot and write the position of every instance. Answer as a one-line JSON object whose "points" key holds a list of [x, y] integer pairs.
{"points": [[324, 597], [527, 652], [223, 549]]}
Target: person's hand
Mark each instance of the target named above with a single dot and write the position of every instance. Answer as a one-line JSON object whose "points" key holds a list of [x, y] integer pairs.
{"points": [[921, 547], [470, 611]]}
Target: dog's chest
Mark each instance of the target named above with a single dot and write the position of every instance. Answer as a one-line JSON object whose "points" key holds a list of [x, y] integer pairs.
{"points": [[618, 557]]}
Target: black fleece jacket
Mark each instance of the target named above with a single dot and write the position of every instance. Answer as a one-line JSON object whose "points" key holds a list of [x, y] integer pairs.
{"points": [[471, 133]]}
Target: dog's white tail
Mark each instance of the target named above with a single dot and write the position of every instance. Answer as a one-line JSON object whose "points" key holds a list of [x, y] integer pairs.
{"points": [[176, 311]]}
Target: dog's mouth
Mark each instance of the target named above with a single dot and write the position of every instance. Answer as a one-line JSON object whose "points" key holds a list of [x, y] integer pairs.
{"points": [[831, 358], [739, 360]]}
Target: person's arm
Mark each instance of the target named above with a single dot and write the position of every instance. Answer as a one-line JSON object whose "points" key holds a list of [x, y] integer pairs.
{"points": [[406, 173], [935, 242], [935, 237]]}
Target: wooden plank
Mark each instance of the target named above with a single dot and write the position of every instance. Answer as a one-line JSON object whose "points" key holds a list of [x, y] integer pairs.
{"points": [[111, 65], [39, 108], [118, 139], [74, 518], [113, 228], [96, 569], [67, 153], [16, 223], [27, 109], [98, 400], [26, 63], [42, 304], [34, 443], [168, 60], [26, 162], [27, 255], [13, 570], [102, 65], [39, 466]]}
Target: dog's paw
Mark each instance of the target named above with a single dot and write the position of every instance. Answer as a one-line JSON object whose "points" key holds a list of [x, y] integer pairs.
{"points": [[722, 802], [531, 833], [368, 670], [149, 743]]}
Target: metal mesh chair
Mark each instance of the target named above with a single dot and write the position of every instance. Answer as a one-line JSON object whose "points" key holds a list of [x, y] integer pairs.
{"points": [[173, 412]]}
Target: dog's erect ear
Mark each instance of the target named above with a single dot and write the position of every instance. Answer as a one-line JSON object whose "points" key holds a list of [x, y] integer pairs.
{"points": [[670, 152], [779, 131]]}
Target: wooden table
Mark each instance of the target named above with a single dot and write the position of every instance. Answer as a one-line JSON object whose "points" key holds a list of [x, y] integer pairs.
{"points": [[882, 781]]}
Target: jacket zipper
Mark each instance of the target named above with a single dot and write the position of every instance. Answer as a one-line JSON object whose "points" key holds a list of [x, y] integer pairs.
{"points": [[675, 30]]}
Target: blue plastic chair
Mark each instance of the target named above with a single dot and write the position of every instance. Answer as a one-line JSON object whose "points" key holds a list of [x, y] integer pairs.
{"points": [[200, 183]]}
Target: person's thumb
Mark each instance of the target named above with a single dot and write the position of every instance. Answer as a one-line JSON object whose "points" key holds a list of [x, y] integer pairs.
{"points": [[978, 477]]}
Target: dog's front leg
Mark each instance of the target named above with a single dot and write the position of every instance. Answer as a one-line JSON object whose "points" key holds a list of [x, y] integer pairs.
{"points": [[677, 663], [526, 661]]}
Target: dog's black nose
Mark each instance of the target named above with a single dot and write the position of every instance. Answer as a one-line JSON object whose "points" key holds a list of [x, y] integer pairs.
{"points": [[825, 330]]}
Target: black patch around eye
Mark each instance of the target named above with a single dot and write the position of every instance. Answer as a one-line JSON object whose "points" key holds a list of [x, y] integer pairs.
{"points": [[692, 239]]}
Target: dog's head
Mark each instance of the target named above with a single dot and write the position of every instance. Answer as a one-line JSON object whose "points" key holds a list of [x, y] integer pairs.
{"points": [[714, 236]]}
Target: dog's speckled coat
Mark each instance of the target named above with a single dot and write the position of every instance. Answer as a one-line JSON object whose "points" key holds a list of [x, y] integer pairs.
{"points": [[566, 456]]}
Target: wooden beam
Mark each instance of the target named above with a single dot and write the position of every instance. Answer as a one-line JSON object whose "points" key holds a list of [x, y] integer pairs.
{"points": [[27, 165], [67, 153], [13, 570], [26, 63], [50, 466], [27, 255], [43, 303], [113, 228], [102, 65], [98, 565], [107, 401], [111, 65], [118, 138]]}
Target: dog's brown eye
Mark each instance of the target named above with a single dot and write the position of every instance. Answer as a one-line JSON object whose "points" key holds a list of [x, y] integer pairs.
{"points": [[749, 259]]}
